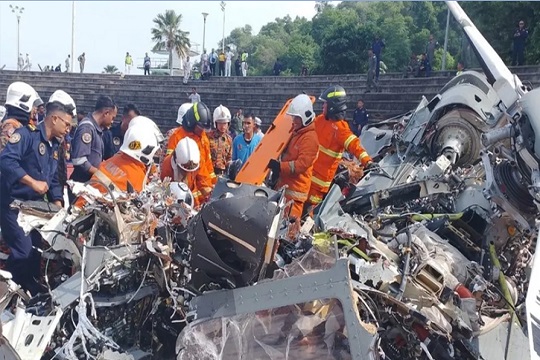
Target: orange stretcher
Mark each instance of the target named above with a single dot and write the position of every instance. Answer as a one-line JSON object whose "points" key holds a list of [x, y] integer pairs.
{"points": [[275, 140]]}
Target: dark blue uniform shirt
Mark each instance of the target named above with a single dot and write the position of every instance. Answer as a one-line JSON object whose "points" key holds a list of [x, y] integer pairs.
{"points": [[28, 152], [112, 140], [86, 149], [360, 117]]}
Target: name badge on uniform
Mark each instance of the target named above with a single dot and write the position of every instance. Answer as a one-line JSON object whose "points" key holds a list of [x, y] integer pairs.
{"points": [[86, 138], [116, 141], [55, 155], [15, 138], [42, 149]]}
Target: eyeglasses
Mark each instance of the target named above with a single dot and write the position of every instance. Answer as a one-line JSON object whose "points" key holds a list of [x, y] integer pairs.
{"points": [[67, 123]]}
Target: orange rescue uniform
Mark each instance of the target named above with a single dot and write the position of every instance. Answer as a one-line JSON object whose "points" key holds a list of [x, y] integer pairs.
{"points": [[296, 167], [189, 178], [335, 137], [118, 170], [206, 178]]}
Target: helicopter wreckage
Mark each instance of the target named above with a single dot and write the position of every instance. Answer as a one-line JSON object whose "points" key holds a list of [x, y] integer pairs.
{"points": [[430, 256]]}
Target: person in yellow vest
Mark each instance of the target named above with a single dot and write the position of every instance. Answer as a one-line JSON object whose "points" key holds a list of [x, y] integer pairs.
{"points": [[129, 63], [244, 63]]}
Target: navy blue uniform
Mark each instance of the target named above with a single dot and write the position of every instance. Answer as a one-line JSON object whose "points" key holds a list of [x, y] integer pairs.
{"points": [[86, 149], [112, 140], [28, 152], [360, 117]]}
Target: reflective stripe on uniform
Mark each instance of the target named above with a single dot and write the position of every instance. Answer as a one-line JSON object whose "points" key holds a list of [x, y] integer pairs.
{"points": [[291, 165], [196, 112], [336, 93], [213, 175], [79, 161], [320, 182], [296, 195], [334, 154], [363, 155], [170, 151], [106, 180], [349, 140], [197, 194], [314, 199]]}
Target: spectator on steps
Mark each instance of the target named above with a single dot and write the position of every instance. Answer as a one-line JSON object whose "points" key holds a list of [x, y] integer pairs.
{"points": [[520, 37], [431, 45], [187, 69], [277, 67], [424, 69], [228, 62], [304, 71], [146, 64], [377, 46], [221, 58], [128, 63], [27, 63], [82, 60], [244, 63], [213, 61], [372, 71], [68, 62], [238, 66], [360, 118], [412, 67], [194, 97], [58, 68], [20, 62]]}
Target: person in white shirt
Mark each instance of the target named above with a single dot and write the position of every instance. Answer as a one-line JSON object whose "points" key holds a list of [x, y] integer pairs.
{"points": [[258, 130], [187, 70], [194, 97], [68, 60], [20, 63], [228, 62], [244, 63], [28, 63]]}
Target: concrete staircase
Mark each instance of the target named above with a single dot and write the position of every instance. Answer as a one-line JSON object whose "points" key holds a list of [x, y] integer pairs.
{"points": [[159, 97]]}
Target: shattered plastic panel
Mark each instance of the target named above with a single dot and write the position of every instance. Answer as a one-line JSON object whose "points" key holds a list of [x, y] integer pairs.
{"points": [[312, 330]]}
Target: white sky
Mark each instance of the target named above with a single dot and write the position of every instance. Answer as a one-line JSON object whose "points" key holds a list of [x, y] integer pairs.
{"points": [[106, 30]]}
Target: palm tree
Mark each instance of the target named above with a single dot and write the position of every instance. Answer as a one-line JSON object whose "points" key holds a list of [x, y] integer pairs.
{"points": [[110, 69], [168, 35]]}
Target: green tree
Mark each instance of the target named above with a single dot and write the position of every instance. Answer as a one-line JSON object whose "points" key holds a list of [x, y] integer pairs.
{"points": [[111, 69], [168, 35]]}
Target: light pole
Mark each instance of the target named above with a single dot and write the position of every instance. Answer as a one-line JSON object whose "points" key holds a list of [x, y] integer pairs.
{"points": [[72, 33], [18, 12], [446, 40], [204, 30], [223, 39]]}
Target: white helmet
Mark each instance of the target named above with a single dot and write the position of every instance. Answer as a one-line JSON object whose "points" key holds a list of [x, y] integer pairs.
{"points": [[182, 110], [2, 112], [149, 125], [64, 99], [187, 155], [140, 144], [302, 106], [22, 96], [258, 122], [221, 114], [180, 191]]}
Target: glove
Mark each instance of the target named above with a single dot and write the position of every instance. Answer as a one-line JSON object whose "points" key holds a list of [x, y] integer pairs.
{"points": [[372, 166], [275, 166]]}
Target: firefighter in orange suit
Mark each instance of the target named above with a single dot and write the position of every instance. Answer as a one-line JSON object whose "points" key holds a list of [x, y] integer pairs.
{"points": [[194, 122], [296, 165], [183, 165], [129, 168], [335, 137]]}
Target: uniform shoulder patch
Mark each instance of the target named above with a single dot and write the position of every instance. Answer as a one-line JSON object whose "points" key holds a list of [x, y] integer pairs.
{"points": [[15, 138], [116, 141], [134, 145], [42, 149], [86, 138]]}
